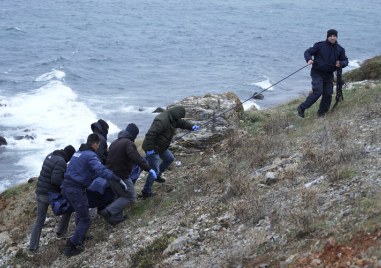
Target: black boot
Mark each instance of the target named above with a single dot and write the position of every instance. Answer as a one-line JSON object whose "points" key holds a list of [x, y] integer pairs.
{"points": [[106, 215], [301, 111], [160, 179], [71, 250], [116, 222], [146, 195]]}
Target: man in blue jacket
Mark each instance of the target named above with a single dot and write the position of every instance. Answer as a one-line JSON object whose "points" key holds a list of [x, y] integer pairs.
{"points": [[326, 57], [83, 168]]}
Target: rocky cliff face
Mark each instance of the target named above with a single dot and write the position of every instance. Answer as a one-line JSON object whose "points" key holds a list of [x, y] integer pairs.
{"points": [[274, 190]]}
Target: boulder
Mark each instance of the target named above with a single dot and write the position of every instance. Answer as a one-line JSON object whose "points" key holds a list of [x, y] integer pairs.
{"points": [[217, 114], [158, 110], [3, 141]]}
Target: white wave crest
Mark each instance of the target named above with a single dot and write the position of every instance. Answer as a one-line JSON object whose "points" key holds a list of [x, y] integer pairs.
{"points": [[51, 75], [354, 64], [264, 84], [250, 104]]}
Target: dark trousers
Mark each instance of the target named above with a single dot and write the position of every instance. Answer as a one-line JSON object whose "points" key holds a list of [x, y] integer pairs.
{"points": [[322, 85], [95, 199], [42, 209], [78, 199], [116, 207]]}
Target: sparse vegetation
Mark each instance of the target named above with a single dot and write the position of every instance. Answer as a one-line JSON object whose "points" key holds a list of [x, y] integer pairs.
{"points": [[279, 189], [152, 254], [369, 70]]}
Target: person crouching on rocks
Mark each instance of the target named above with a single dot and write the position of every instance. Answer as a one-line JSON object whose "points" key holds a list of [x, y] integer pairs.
{"points": [[122, 155]]}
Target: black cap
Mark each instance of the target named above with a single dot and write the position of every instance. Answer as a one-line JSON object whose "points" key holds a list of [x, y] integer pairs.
{"points": [[69, 151], [331, 32]]}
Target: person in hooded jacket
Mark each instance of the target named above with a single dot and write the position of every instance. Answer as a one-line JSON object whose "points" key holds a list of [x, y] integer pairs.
{"points": [[101, 128], [157, 141], [83, 169], [49, 180], [123, 154], [326, 57]]}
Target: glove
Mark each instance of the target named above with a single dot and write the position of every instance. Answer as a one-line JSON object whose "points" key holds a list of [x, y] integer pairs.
{"points": [[153, 173], [195, 128], [151, 152], [124, 186]]}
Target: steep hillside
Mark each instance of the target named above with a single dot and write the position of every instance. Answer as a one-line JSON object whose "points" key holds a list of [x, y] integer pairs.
{"points": [[280, 191]]}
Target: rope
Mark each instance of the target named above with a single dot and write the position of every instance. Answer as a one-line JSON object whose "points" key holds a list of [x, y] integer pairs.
{"points": [[254, 95]]}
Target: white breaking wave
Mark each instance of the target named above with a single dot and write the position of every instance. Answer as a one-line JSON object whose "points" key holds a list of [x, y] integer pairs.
{"points": [[137, 109], [265, 84], [353, 64], [247, 105], [51, 75], [43, 120]]}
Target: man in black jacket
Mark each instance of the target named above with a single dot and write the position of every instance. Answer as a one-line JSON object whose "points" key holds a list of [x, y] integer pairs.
{"points": [[157, 141], [101, 128], [50, 180], [123, 154], [326, 57]]}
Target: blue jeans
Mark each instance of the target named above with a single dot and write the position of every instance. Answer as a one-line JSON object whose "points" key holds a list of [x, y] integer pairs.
{"points": [[322, 85], [166, 159], [78, 199]]}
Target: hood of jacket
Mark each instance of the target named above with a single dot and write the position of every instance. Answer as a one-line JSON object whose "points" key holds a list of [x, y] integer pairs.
{"points": [[97, 128], [126, 134], [62, 154], [176, 113]]}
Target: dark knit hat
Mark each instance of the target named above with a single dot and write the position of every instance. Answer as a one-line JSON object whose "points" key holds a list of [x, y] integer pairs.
{"points": [[69, 151], [104, 125], [93, 138], [331, 32], [133, 130]]}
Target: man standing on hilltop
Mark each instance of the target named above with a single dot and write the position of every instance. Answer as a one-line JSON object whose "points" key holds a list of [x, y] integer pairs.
{"points": [[326, 57], [157, 141]]}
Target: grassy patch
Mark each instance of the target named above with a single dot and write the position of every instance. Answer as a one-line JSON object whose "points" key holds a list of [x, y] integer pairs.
{"points": [[16, 190], [139, 208], [369, 70], [152, 254]]}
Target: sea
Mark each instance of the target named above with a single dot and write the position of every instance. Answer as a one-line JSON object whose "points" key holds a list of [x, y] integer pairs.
{"points": [[65, 64]]}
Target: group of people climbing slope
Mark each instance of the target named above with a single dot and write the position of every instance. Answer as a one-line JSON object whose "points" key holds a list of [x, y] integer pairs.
{"points": [[99, 176]]}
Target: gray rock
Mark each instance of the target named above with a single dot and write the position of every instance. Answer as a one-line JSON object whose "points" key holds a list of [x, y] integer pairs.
{"points": [[176, 245], [158, 110], [5, 239], [3, 141]]}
